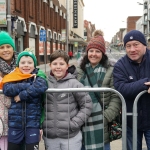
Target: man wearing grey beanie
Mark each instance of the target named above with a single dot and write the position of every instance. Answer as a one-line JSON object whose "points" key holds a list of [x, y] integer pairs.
{"points": [[132, 76]]}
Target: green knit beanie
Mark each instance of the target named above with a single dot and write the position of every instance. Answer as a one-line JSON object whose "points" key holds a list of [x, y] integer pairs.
{"points": [[5, 38], [27, 52]]}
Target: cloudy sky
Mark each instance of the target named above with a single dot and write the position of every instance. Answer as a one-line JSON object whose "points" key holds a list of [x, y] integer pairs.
{"points": [[111, 15]]}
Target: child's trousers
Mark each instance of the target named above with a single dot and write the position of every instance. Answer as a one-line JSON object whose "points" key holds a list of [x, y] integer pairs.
{"points": [[3, 143], [74, 143]]}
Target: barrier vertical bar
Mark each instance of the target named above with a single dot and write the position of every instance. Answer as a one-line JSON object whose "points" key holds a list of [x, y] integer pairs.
{"points": [[135, 114]]}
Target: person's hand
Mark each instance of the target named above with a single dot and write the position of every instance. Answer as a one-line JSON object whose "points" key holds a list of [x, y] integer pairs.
{"points": [[33, 75], [148, 84], [1, 79], [148, 90], [17, 98], [41, 134]]}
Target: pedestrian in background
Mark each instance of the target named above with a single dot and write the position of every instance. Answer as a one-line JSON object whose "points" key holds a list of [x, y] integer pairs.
{"points": [[26, 86], [70, 54], [131, 76], [7, 64], [96, 71], [66, 112]]}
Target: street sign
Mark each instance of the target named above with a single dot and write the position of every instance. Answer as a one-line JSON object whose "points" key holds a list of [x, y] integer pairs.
{"points": [[43, 35]]}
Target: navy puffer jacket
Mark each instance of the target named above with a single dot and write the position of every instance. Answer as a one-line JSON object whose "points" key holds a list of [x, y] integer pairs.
{"points": [[129, 79], [27, 112]]}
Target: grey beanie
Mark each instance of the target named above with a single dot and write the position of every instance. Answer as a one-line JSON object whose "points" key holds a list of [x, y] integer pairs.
{"points": [[134, 35]]}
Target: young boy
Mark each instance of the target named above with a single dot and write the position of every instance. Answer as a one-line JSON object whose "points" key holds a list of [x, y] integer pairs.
{"points": [[26, 86], [65, 112]]}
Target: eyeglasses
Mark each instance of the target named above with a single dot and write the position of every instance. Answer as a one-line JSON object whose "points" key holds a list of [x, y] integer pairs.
{"points": [[135, 45]]}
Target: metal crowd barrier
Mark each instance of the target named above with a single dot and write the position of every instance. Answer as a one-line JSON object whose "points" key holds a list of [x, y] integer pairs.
{"points": [[124, 112], [135, 114]]}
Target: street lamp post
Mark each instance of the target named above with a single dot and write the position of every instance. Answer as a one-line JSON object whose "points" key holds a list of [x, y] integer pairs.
{"points": [[67, 25], [8, 17]]}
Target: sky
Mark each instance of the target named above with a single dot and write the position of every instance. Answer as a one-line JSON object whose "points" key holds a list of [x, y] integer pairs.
{"points": [[111, 15]]}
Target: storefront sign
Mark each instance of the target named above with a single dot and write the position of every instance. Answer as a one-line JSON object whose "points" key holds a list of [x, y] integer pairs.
{"points": [[54, 47], [63, 35], [75, 13], [41, 48], [58, 46], [32, 44], [62, 47], [3, 12], [75, 44], [48, 47]]}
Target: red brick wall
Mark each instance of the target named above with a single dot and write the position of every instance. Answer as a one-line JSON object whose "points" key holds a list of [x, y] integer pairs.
{"points": [[41, 14], [131, 22]]}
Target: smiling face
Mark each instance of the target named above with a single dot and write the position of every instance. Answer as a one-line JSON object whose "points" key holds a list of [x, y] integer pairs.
{"points": [[135, 50], [6, 52], [94, 56], [59, 67], [26, 64]]}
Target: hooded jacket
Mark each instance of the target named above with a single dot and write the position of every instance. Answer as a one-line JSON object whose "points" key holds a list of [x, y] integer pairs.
{"points": [[66, 112]]}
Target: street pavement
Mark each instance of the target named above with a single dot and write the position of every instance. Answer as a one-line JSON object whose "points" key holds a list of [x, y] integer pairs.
{"points": [[114, 55]]}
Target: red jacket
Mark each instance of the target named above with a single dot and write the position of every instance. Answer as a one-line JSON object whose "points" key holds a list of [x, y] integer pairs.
{"points": [[70, 53]]}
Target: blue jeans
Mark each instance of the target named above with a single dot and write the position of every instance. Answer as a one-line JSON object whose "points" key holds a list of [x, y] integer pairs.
{"points": [[139, 139], [107, 146]]}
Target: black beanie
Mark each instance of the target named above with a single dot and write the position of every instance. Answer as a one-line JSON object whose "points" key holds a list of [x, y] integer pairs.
{"points": [[134, 35]]}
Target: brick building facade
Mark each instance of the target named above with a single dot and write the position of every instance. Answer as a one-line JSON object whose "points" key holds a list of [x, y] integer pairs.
{"points": [[131, 22], [28, 17]]}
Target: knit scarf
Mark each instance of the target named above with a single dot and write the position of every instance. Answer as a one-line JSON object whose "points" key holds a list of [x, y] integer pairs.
{"points": [[7, 68], [93, 129], [17, 75]]}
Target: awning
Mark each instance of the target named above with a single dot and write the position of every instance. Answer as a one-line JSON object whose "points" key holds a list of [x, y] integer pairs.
{"points": [[120, 44], [80, 41]]}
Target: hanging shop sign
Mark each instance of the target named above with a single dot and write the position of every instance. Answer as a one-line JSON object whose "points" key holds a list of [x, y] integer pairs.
{"points": [[75, 13], [63, 35], [48, 48], [75, 44], [3, 12]]}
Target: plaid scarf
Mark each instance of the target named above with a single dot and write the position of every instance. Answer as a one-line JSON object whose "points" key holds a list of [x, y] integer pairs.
{"points": [[93, 129], [7, 68]]}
